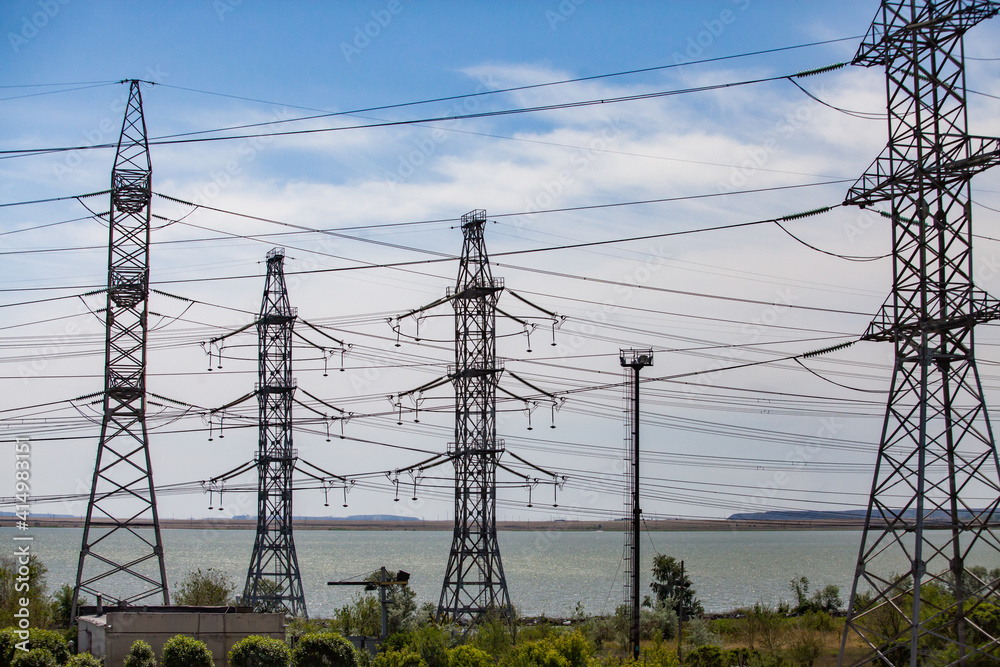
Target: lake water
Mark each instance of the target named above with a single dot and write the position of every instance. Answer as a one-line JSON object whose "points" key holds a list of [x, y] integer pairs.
{"points": [[547, 572]]}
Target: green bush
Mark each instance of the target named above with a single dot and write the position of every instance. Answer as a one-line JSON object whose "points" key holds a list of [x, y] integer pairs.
{"points": [[53, 642], [563, 650], [493, 636], [469, 656], [324, 649], [8, 638], [36, 657], [741, 657], [181, 651], [806, 648], [84, 660], [402, 658], [706, 656], [208, 588], [140, 654], [659, 654], [430, 641], [540, 653], [260, 652]]}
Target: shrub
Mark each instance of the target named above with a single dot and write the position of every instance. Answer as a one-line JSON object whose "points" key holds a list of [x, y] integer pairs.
{"points": [[706, 656], [207, 588], [181, 651], [699, 634], [599, 629], [469, 656], [659, 654], [324, 649], [741, 657], [36, 657], [84, 660], [430, 642], [8, 638], [53, 642], [140, 654], [565, 650], [260, 652], [402, 658], [493, 636], [806, 648]]}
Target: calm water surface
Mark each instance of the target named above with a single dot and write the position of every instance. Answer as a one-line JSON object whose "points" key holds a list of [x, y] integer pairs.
{"points": [[547, 572]]}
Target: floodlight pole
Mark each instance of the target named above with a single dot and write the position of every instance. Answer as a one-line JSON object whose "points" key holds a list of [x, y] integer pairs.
{"points": [[635, 360]]}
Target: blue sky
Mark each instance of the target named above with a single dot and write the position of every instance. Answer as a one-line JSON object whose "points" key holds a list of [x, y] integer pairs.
{"points": [[296, 59]]}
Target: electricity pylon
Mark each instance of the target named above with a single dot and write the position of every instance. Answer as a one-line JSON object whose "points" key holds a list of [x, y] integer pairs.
{"points": [[274, 582], [474, 581], [916, 597], [121, 557]]}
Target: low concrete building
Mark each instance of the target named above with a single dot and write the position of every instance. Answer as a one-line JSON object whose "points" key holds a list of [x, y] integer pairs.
{"points": [[110, 633]]}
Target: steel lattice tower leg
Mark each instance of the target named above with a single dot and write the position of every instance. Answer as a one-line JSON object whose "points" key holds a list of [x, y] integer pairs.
{"points": [[274, 582], [474, 581], [121, 557], [936, 488]]}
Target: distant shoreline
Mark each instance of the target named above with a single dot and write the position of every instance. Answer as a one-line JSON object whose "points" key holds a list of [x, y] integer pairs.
{"points": [[544, 526]]}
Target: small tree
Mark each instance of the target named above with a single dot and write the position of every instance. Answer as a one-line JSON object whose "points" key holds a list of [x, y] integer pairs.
{"points": [[673, 589], [260, 652], [208, 588], [140, 654], [36, 593], [182, 651], [324, 649], [806, 648], [62, 606]]}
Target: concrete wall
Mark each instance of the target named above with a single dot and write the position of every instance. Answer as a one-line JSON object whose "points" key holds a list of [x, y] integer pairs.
{"points": [[117, 630]]}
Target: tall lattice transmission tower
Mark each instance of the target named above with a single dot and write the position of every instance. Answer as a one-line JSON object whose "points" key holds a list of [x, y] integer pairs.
{"points": [[121, 557], [274, 582], [932, 514], [474, 581]]}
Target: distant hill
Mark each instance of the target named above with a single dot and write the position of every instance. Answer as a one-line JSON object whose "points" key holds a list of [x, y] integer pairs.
{"points": [[820, 515]]}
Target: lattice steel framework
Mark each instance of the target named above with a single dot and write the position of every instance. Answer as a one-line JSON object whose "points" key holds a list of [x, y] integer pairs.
{"points": [[474, 581], [920, 598], [121, 556], [632, 361], [274, 582]]}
